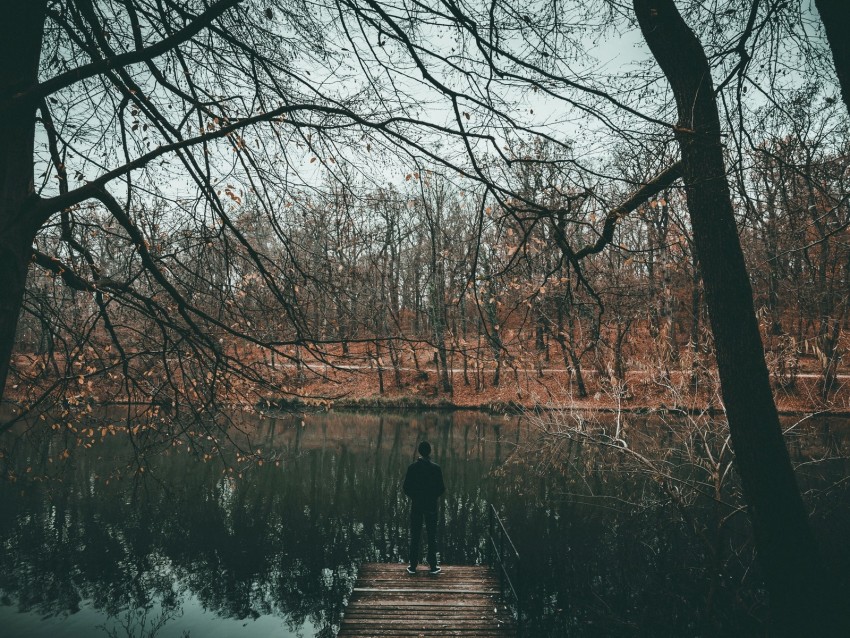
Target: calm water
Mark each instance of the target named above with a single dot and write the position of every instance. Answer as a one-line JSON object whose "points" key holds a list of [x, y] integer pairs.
{"points": [[91, 547]]}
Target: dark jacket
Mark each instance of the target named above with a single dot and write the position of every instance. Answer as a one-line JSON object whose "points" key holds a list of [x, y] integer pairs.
{"points": [[423, 483]]}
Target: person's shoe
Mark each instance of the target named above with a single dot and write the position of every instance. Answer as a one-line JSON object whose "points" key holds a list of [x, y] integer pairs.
{"points": [[411, 570], [436, 569]]}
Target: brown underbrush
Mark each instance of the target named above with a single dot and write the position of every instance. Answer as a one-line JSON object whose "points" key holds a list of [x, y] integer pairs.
{"points": [[358, 378]]}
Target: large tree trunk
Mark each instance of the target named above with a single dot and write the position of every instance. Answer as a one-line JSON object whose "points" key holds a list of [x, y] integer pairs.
{"points": [[835, 15], [14, 260], [793, 572], [20, 48]]}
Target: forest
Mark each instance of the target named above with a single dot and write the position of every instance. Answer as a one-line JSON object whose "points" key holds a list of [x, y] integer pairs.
{"points": [[231, 206], [414, 288]]}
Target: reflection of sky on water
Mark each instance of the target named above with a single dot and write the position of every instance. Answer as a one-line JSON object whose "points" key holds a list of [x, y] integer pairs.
{"points": [[192, 618]]}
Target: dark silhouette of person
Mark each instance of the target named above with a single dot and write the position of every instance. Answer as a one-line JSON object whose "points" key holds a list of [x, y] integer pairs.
{"points": [[423, 483]]}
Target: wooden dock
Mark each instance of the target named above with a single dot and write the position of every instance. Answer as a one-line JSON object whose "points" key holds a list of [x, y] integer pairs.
{"points": [[460, 601]]}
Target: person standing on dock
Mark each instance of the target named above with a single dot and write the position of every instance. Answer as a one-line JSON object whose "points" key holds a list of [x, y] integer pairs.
{"points": [[423, 483]]}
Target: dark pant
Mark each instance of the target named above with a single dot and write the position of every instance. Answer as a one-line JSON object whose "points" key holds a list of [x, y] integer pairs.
{"points": [[416, 516]]}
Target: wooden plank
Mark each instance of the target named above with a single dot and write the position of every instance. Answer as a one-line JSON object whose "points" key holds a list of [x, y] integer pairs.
{"points": [[414, 590], [404, 615], [399, 569], [376, 633], [429, 601], [462, 600]]}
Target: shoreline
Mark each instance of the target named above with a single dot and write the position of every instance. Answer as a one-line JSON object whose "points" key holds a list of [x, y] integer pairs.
{"points": [[410, 403], [413, 403]]}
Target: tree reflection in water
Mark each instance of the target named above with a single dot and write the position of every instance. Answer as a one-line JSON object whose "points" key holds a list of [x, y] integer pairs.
{"points": [[285, 541], [282, 540]]}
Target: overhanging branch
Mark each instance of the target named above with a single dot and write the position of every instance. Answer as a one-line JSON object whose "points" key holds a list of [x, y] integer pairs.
{"points": [[92, 69], [61, 269], [654, 186]]}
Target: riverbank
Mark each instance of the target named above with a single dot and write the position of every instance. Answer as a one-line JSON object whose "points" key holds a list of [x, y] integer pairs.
{"points": [[545, 389], [361, 384]]}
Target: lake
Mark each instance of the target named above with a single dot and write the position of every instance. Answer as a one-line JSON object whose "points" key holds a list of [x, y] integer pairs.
{"points": [[190, 539]]}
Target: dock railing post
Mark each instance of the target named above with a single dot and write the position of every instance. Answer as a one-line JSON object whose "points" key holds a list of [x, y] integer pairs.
{"points": [[502, 561], [520, 590], [490, 557]]}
